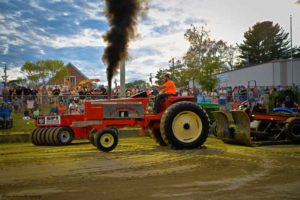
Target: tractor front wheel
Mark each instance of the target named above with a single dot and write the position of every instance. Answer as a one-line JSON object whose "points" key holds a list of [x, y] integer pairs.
{"points": [[184, 125], [106, 140]]}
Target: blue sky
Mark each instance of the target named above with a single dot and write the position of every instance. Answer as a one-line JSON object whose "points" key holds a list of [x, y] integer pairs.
{"points": [[71, 30]]}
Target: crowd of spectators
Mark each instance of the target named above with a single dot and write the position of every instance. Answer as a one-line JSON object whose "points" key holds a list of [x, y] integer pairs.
{"points": [[231, 97]]}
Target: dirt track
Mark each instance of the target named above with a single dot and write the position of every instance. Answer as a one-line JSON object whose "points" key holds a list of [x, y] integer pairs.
{"points": [[139, 169]]}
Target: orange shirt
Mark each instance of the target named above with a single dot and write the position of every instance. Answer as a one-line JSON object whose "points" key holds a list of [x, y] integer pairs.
{"points": [[61, 108], [169, 87]]}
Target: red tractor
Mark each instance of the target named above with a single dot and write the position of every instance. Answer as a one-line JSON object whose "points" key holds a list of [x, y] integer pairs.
{"points": [[180, 123]]}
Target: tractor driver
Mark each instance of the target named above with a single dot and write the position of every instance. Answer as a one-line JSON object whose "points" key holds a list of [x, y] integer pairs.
{"points": [[167, 89]]}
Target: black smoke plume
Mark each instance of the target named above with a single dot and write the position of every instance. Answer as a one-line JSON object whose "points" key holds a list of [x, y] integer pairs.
{"points": [[122, 16]]}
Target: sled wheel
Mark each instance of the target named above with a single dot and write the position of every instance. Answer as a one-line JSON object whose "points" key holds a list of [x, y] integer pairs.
{"points": [[184, 125], [33, 136], [293, 131], [156, 135], [106, 140]]}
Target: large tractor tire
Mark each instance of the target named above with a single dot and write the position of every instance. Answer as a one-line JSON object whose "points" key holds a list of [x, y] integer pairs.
{"points": [[37, 136], [41, 136], [293, 131], [51, 136], [184, 125], [92, 136], [62, 136], [65, 136], [156, 135], [33, 136], [106, 140], [47, 134]]}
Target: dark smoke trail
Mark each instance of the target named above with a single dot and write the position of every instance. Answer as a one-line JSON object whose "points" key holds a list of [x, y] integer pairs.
{"points": [[122, 16]]}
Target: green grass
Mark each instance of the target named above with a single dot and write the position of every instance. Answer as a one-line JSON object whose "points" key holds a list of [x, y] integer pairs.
{"points": [[21, 126]]}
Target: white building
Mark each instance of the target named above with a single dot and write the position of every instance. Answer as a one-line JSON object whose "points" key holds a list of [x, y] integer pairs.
{"points": [[275, 73]]}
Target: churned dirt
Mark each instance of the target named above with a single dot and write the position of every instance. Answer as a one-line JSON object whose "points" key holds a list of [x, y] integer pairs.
{"points": [[140, 169]]}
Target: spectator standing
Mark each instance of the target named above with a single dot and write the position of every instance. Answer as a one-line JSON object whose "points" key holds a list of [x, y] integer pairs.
{"points": [[5, 113], [61, 108], [30, 104], [73, 107], [16, 103], [53, 109]]}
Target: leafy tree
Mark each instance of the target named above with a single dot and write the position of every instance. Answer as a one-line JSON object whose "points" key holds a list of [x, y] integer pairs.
{"points": [[264, 42], [138, 83], [177, 72], [159, 76], [206, 76], [40, 72], [204, 57], [231, 58]]}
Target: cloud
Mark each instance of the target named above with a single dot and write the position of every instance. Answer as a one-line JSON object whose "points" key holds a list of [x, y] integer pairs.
{"points": [[6, 48]]}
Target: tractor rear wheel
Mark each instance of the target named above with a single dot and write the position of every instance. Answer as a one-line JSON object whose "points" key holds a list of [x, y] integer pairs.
{"points": [[33, 136], [92, 136], [156, 135], [184, 125], [65, 136], [293, 131], [51, 136], [106, 140], [43, 135], [37, 136], [47, 133]]}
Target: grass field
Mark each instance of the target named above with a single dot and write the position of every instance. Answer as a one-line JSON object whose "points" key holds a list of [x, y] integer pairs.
{"points": [[20, 125]]}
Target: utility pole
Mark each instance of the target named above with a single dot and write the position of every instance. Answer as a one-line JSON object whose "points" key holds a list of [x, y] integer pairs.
{"points": [[5, 75], [150, 78], [172, 62]]}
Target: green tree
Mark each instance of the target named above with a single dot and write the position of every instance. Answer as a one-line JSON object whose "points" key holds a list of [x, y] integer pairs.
{"points": [[177, 72], [264, 42], [204, 57], [206, 76], [138, 83], [159, 76], [231, 57], [40, 72]]}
